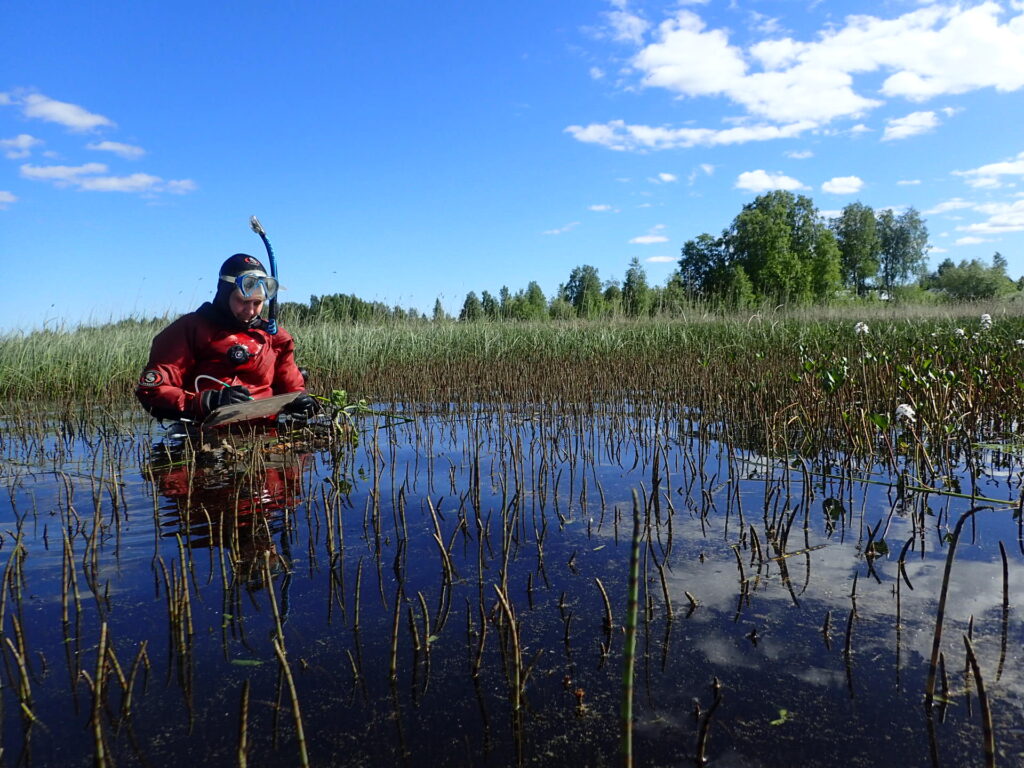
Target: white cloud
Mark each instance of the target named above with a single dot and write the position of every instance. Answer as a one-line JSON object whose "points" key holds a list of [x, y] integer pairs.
{"points": [[562, 230], [20, 146], [990, 175], [913, 124], [5, 98], [766, 25], [762, 181], [661, 259], [801, 154], [927, 52], [127, 151], [667, 178], [937, 249], [136, 182], [955, 204], [690, 60], [61, 174], [908, 182], [596, 73], [1002, 218], [6, 198], [706, 168], [69, 115], [181, 186], [970, 241], [617, 135], [843, 185], [87, 177], [627, 27], [601, 207], [653, 236], [950, 50]]}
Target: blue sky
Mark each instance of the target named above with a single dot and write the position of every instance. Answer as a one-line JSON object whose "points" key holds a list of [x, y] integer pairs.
{"points": [[404, 150]]}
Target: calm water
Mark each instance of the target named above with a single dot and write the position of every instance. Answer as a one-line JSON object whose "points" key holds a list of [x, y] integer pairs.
{"points": [[399, 656]]}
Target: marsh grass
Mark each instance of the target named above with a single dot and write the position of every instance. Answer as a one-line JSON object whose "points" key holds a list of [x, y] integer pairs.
{"points": [[808, 363]]}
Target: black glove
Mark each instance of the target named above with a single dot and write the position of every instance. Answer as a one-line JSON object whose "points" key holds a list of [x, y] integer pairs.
{"points": [[212, 399], [303, 405]]}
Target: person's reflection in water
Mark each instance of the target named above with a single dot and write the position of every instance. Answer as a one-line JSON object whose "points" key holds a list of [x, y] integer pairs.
{"points": [[239, 500]]}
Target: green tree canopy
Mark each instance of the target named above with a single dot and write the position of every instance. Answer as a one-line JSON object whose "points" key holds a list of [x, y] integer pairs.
{"points": [[859, 247], [782, 245], [704, 266], [973, 279], [536, 303], [583, 291], [903, 246], [636, 293], [472, 309], [439, 315], [490, 305]]}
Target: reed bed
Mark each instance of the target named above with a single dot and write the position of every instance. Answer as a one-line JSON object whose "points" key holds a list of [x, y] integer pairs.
{"points": [[98, 366]]}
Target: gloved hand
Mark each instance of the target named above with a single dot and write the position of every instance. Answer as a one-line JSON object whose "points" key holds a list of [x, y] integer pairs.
{"points": [[303, 405], [212, 399]]}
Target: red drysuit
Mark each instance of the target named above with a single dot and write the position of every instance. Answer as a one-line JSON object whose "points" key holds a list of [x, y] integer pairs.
{"points": [[205, 342]]}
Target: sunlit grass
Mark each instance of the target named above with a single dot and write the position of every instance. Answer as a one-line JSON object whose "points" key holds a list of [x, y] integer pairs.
{"points": [[808, 364]]}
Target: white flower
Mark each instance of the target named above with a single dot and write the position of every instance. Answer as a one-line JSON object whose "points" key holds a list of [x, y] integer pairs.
{"points": [[905, 412], [960, 333], [1019, 342], [861, 329], [986, 321]]}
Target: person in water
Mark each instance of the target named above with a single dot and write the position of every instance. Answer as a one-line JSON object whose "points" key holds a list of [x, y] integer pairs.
{"points": [[223, 352]]}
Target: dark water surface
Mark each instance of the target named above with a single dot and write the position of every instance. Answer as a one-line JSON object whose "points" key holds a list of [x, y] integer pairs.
{"points": [[817, 645]]}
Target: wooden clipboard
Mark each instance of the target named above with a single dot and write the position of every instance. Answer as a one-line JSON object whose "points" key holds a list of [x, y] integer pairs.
{"points": [[264, 408]]}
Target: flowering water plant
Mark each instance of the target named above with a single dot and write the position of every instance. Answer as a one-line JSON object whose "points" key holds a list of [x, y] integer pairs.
{"points": [[905, 412]]}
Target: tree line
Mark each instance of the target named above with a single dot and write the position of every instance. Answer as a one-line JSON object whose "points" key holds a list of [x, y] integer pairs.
{"points": [[778, 249]]}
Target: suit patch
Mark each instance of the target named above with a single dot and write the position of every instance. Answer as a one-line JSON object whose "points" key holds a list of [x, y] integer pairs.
{"points": [[151, 378]]}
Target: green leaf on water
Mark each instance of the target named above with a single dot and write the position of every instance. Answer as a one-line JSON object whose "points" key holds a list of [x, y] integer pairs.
{"points": [[782, 718], [246, 662], [596, 549], [880, 420]]}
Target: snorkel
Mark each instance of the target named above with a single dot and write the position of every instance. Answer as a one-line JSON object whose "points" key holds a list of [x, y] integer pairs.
{"points": [[272, 313]]}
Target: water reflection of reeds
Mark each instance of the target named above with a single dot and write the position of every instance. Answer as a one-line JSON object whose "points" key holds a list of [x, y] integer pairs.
{"points": [[453, 589]]}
